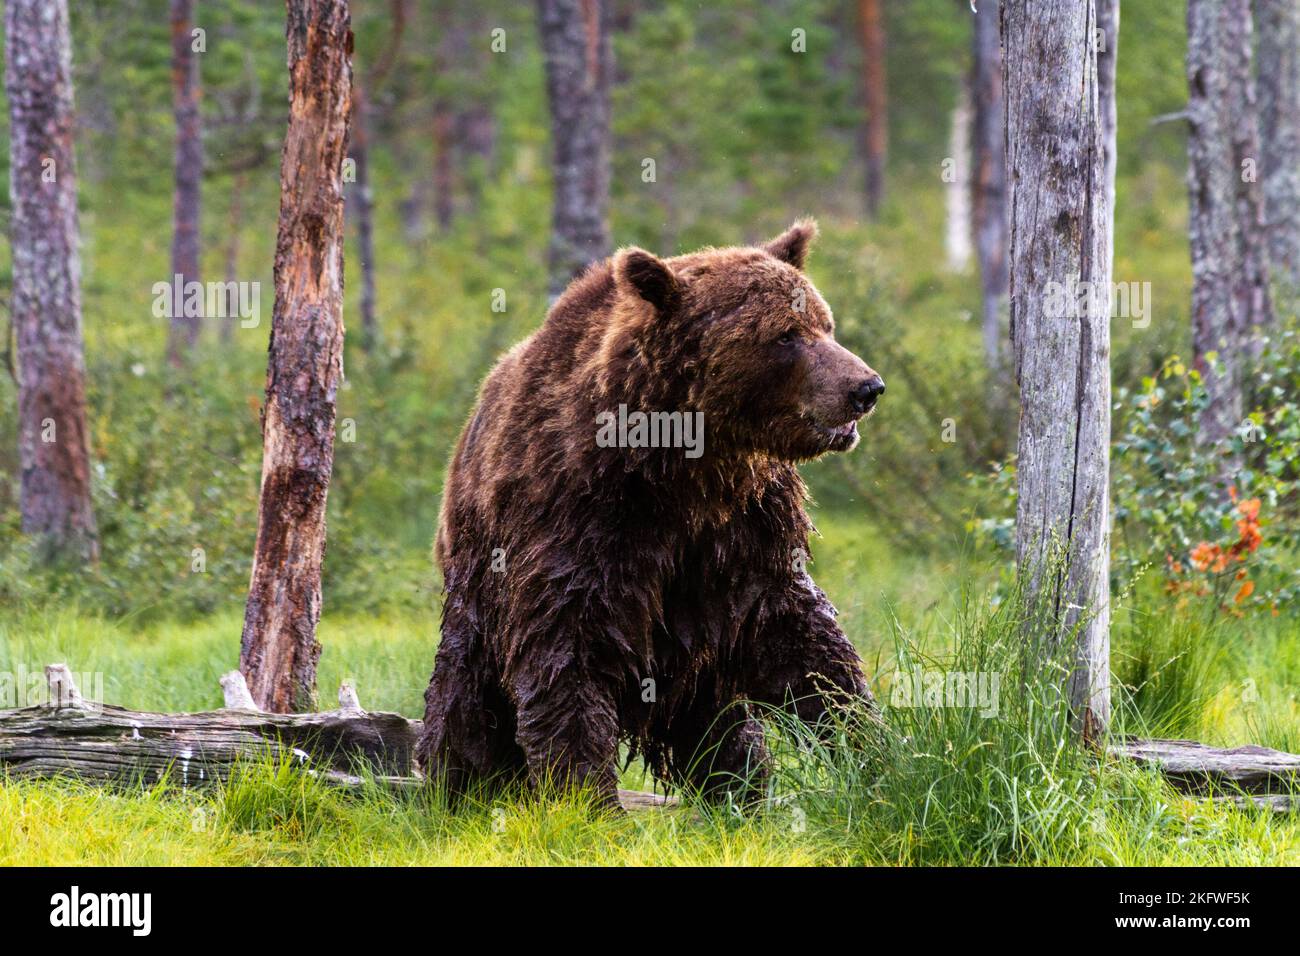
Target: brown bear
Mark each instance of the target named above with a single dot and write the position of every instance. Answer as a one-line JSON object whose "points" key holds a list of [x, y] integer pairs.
{"points": [[622, 537]]}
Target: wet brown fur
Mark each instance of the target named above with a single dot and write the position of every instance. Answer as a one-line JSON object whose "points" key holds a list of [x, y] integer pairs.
{"points": [[622, 565]]}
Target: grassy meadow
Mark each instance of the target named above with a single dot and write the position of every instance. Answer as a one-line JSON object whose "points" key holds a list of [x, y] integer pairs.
{"points": [[913, 546]]}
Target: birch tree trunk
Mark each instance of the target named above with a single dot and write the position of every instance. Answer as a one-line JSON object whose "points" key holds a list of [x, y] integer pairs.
{"points": [[875, 98], [990, 183], [957, 191], [579, 68], [183, 333], [1278, 26], [279, 650], [53, 453], [1230, 294], [1060, 227]]}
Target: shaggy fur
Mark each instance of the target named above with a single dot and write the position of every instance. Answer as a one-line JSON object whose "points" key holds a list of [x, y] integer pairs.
{"points": [[576, 574]]}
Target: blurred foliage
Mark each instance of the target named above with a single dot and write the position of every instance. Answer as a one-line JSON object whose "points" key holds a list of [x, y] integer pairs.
{"points": [[1217, 528], [746, 134]]}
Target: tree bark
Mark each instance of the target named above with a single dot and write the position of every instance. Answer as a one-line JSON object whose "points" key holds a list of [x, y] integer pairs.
{"points": [[957, 192], [234, 225], [183, 333], [365, 208], [1230, 294], [579, 67], [1278, 25], [1060, 226], [875, 129], [444, 176], [365, 198], [53, 450], [279, 650], [1107, 57], [990, 185]]}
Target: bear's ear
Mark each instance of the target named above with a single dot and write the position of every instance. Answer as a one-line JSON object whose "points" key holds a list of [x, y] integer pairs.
{"points": [[648, 277], [793, 244]]}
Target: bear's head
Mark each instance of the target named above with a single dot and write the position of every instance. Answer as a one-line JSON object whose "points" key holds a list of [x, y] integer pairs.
{"points": [[744, 338]]}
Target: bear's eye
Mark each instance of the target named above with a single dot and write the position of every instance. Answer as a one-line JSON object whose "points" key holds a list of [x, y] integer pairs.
{"points": [[788, 338]]}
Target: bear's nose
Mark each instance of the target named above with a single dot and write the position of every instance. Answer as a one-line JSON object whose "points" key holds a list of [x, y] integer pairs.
{"points": [[866, 393]]}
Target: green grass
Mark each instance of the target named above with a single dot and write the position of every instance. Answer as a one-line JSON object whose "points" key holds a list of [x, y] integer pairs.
{"points": [[932, 785]]}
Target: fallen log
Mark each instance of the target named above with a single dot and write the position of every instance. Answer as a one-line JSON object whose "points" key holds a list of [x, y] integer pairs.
{"points": [[352, 748], [347, 748], [1195, 768]]}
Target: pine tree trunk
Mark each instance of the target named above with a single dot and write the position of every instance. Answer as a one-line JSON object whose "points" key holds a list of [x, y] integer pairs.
{"points": [[234, 226], [1230, 294], [183, 334], [1060, 227], [444, 178], [279, 650], [579, 68], [990, 185], [957, 190], [365, 209], [1278, 29], [53, 452], [875, 130]]}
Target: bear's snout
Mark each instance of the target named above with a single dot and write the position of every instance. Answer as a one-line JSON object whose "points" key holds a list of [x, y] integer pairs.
{"points": [[863, 397]]}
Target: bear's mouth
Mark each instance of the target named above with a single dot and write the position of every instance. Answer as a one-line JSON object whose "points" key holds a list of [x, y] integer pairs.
{"points": [[841, 437]]}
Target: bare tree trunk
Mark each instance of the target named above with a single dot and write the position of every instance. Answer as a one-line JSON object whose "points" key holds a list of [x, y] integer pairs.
{"points": [[365, 198], [875, 130], [1278, 29], [183, 334], [1060, 228], [279, 650], [364, 204], [444, 178], [1230, 293], [1107, 38], [53, 452], [990, 192], [579, 69], [234, 225], [957, 192], [478, 137]]}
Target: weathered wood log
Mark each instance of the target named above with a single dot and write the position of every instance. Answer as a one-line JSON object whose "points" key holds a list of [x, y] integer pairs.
{"points": [[347, 748], [1199, 769], [351, 748]]}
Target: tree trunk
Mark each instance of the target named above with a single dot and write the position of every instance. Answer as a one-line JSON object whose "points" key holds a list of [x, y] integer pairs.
{"points": [[875, 130], [365, 197], [444, 178], [990, 186], [957, 192], [1107, 56], [279, 649], [1230, 293], [1278, 26], [365, 208], [53, 452], [184, 331], [234, 225], [579, 67], [1060, 227]]}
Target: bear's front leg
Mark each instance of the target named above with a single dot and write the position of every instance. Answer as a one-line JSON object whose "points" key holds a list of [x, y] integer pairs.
{"points": [[567, 722], [802, 659]]}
